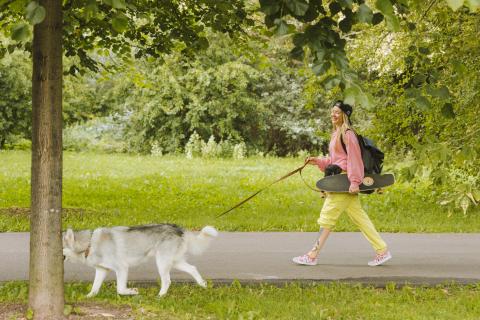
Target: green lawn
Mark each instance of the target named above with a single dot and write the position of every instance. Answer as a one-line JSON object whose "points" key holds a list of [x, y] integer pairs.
{"points": [[119, 189], [316, 301]]}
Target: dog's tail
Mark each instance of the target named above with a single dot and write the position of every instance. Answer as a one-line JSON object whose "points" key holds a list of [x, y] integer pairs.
{"points": [[197, 244]]}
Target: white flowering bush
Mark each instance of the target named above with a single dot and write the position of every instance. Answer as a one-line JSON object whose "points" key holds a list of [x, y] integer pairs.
{"points": [[239, 151], [193, 148], [211, 149], [156, 150]]}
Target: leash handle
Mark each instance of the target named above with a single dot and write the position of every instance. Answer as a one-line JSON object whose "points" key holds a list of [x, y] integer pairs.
{"points": [[272, 183]]}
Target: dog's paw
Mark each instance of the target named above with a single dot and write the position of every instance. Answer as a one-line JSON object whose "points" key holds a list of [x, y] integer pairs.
{"points": [[91, 294], [203, 283], [129, 291], [162, 294]]}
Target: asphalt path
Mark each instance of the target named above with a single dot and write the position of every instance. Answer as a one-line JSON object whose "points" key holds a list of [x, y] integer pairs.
{"points": [[249, 257]]}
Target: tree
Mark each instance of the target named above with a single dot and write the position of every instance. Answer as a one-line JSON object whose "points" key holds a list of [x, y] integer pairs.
{"points": [[84, 30], [320, 30], [46, 262]]}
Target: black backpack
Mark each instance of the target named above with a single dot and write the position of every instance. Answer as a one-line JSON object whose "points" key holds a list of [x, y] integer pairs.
{"points": [[372, 156]]}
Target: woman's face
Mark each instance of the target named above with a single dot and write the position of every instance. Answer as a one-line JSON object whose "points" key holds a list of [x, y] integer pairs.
{"points": [[337, 116]]}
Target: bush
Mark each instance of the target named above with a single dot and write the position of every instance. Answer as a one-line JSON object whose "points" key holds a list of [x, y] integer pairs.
{"points": [[100, 134]]}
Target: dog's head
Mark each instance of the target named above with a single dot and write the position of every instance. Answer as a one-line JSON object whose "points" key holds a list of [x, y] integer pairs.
{"points": [[75, 244]]}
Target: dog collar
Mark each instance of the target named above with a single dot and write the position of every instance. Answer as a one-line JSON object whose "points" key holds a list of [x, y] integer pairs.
{"points": [[87, 252]]}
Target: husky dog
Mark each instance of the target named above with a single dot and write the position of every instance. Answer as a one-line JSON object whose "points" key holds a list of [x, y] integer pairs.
{"points": [[119, 248]]}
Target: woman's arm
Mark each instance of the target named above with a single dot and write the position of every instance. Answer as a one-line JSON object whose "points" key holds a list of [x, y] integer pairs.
{"points": [[354, 160], [322, 163]]}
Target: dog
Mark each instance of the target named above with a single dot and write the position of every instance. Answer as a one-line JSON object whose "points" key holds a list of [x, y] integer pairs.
{"points": [[119, 248]]}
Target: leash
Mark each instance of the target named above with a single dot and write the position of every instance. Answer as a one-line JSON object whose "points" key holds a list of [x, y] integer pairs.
{"points": [[291, 173]]}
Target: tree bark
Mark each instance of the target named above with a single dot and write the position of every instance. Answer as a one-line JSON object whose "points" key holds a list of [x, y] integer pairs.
{"points": [[46, 295]]}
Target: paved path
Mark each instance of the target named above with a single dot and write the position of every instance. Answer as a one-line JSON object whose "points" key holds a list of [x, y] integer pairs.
{"points": [[266, 257]]}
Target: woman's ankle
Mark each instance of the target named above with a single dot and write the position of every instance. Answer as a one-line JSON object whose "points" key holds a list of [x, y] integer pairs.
{"points": [[382, 251], [312, 255]]}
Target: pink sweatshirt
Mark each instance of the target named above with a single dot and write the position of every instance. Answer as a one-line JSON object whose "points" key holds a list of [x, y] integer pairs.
{"points": [[351, 161]]}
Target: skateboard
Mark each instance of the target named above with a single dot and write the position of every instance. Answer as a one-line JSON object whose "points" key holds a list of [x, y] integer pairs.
{"points": [[340, 182]]}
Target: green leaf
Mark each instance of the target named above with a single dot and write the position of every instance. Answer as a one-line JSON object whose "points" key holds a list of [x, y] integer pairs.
{"points": [[385, 6], [282, 27], [297, 7], [35, 13], [422, 103], [350, 95], [377, 18], [364, 13], [297, 53], [321, 68], [442, 92], [331, 82], [269, 7], [120, 23], [335, 8], [412, 93], [299, 39], [419, 78], [17, 6], [320, 54], [455, 4], [392, 23], [476, 195], [424, 50], [473, 5], [447, 111], [20, 31], [345, 24], [119, 4], [459, 67], [346, 3]]}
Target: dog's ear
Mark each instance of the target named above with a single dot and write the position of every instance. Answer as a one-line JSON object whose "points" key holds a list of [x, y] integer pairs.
{"points": [[69, 238]]}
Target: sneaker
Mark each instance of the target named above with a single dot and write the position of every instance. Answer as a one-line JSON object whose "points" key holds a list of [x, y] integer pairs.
{"points": [[305, 260], [380, 259]]}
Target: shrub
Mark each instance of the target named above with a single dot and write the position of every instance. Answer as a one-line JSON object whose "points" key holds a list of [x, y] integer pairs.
{"points": [[100, 134]]}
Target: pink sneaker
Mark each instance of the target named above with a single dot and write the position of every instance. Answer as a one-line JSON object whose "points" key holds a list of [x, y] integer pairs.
{"points": [[305, 260], [380, 259]]}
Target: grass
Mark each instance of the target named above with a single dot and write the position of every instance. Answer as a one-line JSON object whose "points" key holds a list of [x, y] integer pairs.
{"points": [[105, 190], [293, 301]]}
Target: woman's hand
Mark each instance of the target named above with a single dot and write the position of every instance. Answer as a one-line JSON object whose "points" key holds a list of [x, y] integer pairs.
{"points": [[354, 189], [310, 160]]}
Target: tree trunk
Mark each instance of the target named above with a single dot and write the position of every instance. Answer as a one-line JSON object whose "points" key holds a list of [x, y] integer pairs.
{"points": [[46, 296]]}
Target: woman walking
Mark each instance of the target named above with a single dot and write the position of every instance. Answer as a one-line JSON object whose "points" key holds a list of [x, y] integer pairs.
{"points": [[344, 139]]}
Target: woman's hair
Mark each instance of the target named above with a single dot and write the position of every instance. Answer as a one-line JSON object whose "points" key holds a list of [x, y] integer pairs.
{"points": [[346, 124]]}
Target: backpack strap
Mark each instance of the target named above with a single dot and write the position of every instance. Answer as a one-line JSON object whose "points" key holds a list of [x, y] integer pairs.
{"points": [[343, 143]]}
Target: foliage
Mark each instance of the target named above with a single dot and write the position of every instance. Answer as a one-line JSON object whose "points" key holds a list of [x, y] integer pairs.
{"points": [[234, 93], [427, 91], [92, 28], [15, 101], [101, 96], [120, 189], [100, 134], [320, 31]]}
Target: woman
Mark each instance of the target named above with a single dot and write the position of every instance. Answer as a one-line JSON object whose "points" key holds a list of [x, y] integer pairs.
{"points": [[336, 203]]}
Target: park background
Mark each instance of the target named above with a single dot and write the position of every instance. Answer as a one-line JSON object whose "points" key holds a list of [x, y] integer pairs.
{"points": [[182, 138]]}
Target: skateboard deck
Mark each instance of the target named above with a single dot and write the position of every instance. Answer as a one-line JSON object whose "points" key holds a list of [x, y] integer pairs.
{"points": [[340, 182]]}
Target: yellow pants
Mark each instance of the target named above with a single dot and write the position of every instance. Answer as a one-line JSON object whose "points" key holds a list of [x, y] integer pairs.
{"points": [[336, 203]]}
